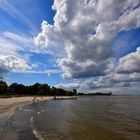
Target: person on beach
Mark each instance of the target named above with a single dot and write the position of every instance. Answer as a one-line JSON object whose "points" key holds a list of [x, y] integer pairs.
{"points": [[34, 99]]}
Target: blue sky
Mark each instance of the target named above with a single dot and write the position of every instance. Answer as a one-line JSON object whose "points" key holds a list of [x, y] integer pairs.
{"points": [[25, 14], [52, 42]]}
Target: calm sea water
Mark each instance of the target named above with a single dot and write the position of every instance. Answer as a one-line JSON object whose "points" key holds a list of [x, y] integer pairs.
{"points": [[87, 118]]}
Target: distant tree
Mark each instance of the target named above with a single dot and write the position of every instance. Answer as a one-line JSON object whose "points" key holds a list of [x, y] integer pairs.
{"points": [[53, 91], [44, 89], [60, 92], [17, 89], [33, 89], [75, 91], [3, 87], [81, 94]]}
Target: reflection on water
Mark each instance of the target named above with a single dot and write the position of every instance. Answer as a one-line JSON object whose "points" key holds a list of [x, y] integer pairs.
{"points": [[90, 118]]}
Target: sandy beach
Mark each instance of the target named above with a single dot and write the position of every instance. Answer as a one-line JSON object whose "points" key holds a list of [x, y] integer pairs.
{"points": [[7, 104]]}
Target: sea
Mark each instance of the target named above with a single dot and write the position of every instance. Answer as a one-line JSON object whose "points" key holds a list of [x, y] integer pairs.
{"points": [[87, 118]]}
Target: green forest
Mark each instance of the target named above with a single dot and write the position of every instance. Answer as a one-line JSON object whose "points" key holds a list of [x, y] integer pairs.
{"points": [[16, 89]]}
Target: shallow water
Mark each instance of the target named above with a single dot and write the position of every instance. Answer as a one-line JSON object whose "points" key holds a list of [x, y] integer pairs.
{"points": [[87, 118]]}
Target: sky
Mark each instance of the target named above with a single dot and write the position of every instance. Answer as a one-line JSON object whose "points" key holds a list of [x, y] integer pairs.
{"points": [[88, 45]]}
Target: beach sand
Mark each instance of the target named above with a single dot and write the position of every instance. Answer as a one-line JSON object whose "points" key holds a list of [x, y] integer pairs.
{"points": [[7, 104]]}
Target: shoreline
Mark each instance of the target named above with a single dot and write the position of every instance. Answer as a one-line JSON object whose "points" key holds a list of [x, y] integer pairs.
{"points": [[9, 104]]}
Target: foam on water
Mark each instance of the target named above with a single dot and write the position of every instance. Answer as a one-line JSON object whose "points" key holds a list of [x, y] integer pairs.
{"points": [[35, 132]]}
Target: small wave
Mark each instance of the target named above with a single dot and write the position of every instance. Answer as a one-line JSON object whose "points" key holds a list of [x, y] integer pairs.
{"points": [[35, 132], [20, 108], [32, 119]]}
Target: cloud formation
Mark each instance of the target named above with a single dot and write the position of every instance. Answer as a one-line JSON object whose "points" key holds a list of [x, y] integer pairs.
{"points": [[86, 29], [16, 58], [117, 83], [69, 86], [12, 63], [10, 58], [130, 63]]}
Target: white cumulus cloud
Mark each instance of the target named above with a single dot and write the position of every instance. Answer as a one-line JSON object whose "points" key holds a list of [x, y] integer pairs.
{"points": [[12, 63], [130, 63], [86, 28]]}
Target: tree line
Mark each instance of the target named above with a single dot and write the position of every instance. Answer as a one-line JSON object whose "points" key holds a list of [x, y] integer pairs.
{"points": [[35, 89]]}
